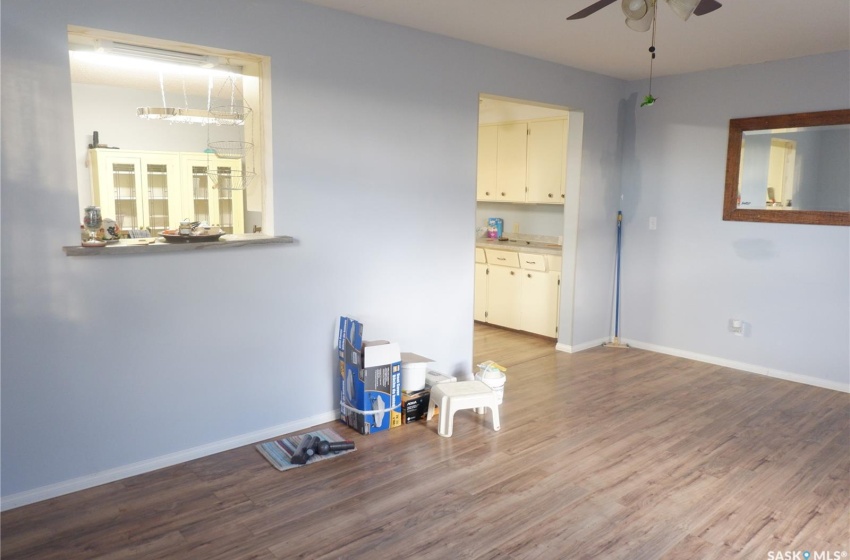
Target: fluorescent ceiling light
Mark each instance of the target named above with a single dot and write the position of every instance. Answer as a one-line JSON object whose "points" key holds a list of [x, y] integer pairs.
{"points": [[150, 53], [122, 55]]}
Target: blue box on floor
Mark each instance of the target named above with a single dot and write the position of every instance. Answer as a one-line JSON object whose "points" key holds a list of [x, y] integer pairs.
{"points": [[370, 395]]}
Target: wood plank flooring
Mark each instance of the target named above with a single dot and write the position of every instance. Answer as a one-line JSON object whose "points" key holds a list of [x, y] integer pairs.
{"points": [[606, 453]]}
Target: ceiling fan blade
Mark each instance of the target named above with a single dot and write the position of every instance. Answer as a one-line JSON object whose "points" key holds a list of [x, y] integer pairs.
{"points": [[706, 7], [592, 9]]}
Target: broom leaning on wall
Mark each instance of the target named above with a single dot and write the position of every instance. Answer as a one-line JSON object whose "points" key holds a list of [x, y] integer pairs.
{"points": [[615, 342]]}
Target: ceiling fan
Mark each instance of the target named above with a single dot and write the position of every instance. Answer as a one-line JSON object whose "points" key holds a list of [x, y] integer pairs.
{"points": [[640, 13]]}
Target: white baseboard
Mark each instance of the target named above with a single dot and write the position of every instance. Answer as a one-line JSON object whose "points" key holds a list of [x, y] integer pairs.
{"points": [[761, 370], [579, 347], [126, 471]]}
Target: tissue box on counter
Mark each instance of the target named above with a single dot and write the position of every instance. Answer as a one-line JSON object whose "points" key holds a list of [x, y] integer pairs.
{"points": [[370, 395], [495, 227]]}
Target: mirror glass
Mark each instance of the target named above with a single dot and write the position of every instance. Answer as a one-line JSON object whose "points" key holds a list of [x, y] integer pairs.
{"points": [[789, 168]]}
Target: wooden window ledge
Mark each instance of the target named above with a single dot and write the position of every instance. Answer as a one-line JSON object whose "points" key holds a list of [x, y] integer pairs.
{"points": [[160, 246]]}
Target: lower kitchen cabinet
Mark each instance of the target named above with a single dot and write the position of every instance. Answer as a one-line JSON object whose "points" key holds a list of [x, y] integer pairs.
{"points": [[539, 302], [519, 293], [503, 296], [481, 291]]}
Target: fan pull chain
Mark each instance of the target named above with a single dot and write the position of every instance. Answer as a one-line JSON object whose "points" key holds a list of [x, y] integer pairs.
{"points": [[649, 99]]}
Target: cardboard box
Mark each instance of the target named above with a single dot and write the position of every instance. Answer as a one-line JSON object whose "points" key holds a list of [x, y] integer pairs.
{"points": [[370, 394], [414, 406]]}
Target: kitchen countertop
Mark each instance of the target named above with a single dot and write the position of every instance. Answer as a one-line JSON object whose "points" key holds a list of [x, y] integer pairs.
{"points": [[520, 245], [159, 245]]}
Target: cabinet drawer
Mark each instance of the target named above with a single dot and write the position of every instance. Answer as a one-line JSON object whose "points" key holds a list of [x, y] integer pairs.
{"points": [[532, 262], [502, 258], [480, 257]]}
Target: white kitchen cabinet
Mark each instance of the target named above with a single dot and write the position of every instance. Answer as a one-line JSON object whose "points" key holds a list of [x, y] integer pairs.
{"points": [[511, 162], [547, 161], [156, 190], [480, 296], [137, 189], [523, 162], [487, 153], [518, 290], [206, 200], [481, 292], [539, 301], [503, 296]]}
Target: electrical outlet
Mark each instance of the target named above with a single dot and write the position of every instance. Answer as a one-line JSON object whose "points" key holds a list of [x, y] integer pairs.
{"points": [[736, 327], [516, 227], [653, 223]]}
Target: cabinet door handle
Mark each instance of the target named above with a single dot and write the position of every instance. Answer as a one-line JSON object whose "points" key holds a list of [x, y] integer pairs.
{"points": [[563, 196], [503, 194], [529, 275], [487, 193], [512, 273], [550, 195]]}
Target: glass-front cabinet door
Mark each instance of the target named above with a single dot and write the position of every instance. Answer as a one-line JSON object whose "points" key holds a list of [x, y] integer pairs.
{"points": [[117, 187], [139, 190], [161, 183], [212, 198]]}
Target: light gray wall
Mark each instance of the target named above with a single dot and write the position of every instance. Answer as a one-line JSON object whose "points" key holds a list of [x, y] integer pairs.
{"points": [[683, 282], [374, 157]]}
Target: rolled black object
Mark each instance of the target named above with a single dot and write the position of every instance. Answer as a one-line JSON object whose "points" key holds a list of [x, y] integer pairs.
{"points": [[340, 446], [323, 447], [305, 450]]}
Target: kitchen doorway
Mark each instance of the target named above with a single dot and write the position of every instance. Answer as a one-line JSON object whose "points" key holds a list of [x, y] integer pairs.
{"points": [[526, 221]]}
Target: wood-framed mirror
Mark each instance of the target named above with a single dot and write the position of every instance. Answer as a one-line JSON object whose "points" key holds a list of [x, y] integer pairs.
{"points": [[792, 169]]}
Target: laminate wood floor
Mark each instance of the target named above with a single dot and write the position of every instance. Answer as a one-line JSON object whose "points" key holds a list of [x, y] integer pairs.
{"points": [[606, 453]]}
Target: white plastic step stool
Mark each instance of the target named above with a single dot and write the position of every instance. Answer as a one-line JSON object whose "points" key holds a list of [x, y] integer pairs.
{"points": [[451, 397]]}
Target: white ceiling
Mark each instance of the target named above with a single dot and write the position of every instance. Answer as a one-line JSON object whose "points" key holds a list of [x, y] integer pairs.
{"points": [[741, 32]]}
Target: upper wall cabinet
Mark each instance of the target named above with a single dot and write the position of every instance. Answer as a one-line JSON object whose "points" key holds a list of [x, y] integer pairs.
{"points": [[523, 162], [487, 157]]}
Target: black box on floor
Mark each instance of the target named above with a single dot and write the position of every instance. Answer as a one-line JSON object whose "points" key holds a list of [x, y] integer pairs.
{"points": [[414, 406]]}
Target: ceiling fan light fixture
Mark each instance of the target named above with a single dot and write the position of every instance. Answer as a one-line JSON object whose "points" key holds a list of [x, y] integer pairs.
{"points": [[644, 23], [683, 8], [635, 9]]}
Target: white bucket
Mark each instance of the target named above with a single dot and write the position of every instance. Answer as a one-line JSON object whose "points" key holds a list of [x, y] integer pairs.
{"points": [[413, 376], [495, 379]]}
